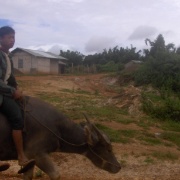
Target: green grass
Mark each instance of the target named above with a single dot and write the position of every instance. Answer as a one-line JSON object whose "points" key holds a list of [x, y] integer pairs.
{"points": [[124, 120], [171, 126], [77, 91], [123, 163], [149, 160], [154, 97], [92, 105], [128, 133], [165, 155], [102, 112], [96, 92], [109, 112], [172, 137], [144, 123], [51, 98], [149, 139], [164, 108], [117, 135], [67, 90], [147, 122]]}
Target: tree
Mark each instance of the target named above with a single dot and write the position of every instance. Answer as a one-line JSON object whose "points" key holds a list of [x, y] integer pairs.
{"points": [[178, 50], [170, 47], [74, 57], [157, 46]]}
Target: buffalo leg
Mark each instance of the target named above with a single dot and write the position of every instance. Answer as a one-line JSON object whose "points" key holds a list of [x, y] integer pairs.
{"points": [[44, 162], [29, 174]]}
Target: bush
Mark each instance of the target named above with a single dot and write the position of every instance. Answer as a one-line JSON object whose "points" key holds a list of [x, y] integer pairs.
{"points": [[164, 71], [110, 67], [167, 107]]}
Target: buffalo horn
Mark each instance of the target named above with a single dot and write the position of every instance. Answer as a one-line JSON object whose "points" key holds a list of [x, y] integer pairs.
{"points": [[87, 119], [100, 135]]}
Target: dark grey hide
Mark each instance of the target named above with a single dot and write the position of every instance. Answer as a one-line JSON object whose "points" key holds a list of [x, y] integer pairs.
{"points": [[40, 141]]}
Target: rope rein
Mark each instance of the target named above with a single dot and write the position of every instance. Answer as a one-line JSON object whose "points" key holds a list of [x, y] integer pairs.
{"points": [[36, 119], [23, 106], [101, 157], [54, 132]]}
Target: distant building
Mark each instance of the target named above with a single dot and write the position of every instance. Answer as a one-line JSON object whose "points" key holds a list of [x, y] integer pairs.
{"points": [[132, 66], [37, 62]]}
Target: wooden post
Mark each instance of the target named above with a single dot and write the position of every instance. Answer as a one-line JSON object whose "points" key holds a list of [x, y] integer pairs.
{"points": [[87, 68], [72, 68]]}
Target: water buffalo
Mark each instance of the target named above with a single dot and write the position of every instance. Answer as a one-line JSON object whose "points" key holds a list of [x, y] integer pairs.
{"points": [[48, 130]]}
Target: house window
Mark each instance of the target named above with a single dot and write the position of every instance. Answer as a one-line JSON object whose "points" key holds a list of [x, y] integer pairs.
{"points": [[20, 63]]}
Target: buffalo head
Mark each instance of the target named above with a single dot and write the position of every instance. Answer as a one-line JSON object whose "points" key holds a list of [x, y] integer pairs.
{"points": [[100, 149]]}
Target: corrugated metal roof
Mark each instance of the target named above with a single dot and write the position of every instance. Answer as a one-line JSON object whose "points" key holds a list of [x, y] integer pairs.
{"points": [[60, 57], [41, 54], [60, 62]]}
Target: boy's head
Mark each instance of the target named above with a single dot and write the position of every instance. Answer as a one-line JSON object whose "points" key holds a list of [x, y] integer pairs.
{"points": [[7, 37]]}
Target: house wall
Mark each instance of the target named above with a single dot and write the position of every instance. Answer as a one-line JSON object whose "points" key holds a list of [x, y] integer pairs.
{"points": [[54, 69], [31, 64], [26, 61], [43, 65]]}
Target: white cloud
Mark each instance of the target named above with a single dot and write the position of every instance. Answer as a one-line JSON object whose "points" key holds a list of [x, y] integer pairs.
{"points": [[143, 32], [97, 44], [54, 48], [74, 23]]}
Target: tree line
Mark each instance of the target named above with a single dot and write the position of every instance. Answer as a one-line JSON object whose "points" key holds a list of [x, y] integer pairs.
{"points": [[114, 59], [109, 60]]}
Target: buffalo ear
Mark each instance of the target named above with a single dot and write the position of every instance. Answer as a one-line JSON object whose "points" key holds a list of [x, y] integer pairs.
{"points": [[92, 138]]}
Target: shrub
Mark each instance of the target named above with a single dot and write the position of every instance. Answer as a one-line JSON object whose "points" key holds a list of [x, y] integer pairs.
{"points": [[110, 67], [164, 108]]}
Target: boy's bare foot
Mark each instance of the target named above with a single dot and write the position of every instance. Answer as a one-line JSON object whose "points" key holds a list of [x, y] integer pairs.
{"points": [[26, 165], [4, 166]]}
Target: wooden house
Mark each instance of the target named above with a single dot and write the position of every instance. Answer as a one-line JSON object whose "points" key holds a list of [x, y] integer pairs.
{"points": [[28, 61]]}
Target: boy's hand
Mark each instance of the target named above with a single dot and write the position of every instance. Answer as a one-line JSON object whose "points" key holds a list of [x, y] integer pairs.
{"points": [[17, 94]]}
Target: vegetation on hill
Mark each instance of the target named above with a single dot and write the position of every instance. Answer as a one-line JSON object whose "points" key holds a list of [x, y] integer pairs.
{"points": [[160, 69]]}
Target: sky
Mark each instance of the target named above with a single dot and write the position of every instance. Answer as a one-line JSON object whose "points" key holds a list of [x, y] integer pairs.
{"points": [[89, 26]]}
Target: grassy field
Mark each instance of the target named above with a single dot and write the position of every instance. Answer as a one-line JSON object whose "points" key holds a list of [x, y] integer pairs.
{"points": [[121, 126]]}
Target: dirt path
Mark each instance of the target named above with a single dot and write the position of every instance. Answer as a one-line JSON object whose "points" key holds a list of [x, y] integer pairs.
{"points": [[134, 157]]}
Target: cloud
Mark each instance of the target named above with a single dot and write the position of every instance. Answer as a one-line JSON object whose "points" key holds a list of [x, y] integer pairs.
{"points": [[142, 32], [89, 25], [96, 44], [54, 48]]}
